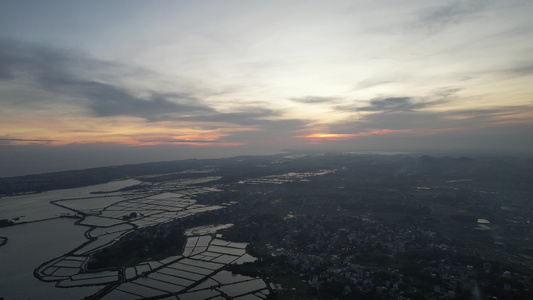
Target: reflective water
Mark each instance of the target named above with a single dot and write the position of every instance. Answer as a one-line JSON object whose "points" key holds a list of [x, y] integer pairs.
{"points": [[37, 206], [55, 248], [28, 246]]}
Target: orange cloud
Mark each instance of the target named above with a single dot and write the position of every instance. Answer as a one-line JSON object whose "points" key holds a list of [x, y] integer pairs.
{"points": [[198, 140], [47, 130]]}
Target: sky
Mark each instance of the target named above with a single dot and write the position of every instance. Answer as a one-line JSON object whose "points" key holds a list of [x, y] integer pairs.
{"points": [[96, 83]]}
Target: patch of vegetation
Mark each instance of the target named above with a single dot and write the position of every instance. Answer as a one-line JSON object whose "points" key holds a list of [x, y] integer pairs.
{"points": [[6, 222], [142, 245]]}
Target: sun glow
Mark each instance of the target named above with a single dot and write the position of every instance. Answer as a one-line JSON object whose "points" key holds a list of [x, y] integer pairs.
{"points": [[329, 136], [319, 138]]}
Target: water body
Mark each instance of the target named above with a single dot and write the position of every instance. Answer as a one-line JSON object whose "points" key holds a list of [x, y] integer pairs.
{"points": [[34, 244], [207, 229], [30, 245], [34, 207]]}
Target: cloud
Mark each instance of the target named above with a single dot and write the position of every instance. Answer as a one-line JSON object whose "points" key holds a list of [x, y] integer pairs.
{"points": [[18, 59], [68, 73], [19, 141], [390, 104], [412, 114], [435, 121], [55, 70], [14, 140], [25, 140], [248, 117], [437, 18], [110, 100], [396, 104], [373, 82], [404, 103], [71, 79], [313, 99], [191, 142], [525, 70], [503, 128]]}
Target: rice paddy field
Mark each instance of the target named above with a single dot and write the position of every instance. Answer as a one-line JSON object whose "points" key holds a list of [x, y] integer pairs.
{"points": [[99, 216]]}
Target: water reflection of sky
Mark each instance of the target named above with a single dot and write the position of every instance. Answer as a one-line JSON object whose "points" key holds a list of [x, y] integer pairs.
{"points": [[30, 245], [63, 248]]}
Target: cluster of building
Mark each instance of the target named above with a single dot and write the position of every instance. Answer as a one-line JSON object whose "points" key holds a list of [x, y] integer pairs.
{"points": [[453, 279], [327, 234], [321, 249], [356, 280]]}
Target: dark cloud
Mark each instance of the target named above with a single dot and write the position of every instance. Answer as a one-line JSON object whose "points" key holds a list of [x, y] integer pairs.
{"points": [[61, 71], [65, 73], [433, 120], [19, 59], [396, 104], [11, 141], [403, 104], [411, 113], [26, 140], [313, 99], [110, 100]]}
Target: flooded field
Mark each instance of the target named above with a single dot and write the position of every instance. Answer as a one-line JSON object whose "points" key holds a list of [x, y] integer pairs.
{"points": [[285, 178], [195, 274], [100, 216], [34, 207]]}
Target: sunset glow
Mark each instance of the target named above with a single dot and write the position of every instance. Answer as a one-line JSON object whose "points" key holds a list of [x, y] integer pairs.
{"points": [[242, 75], [324, 137]]}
